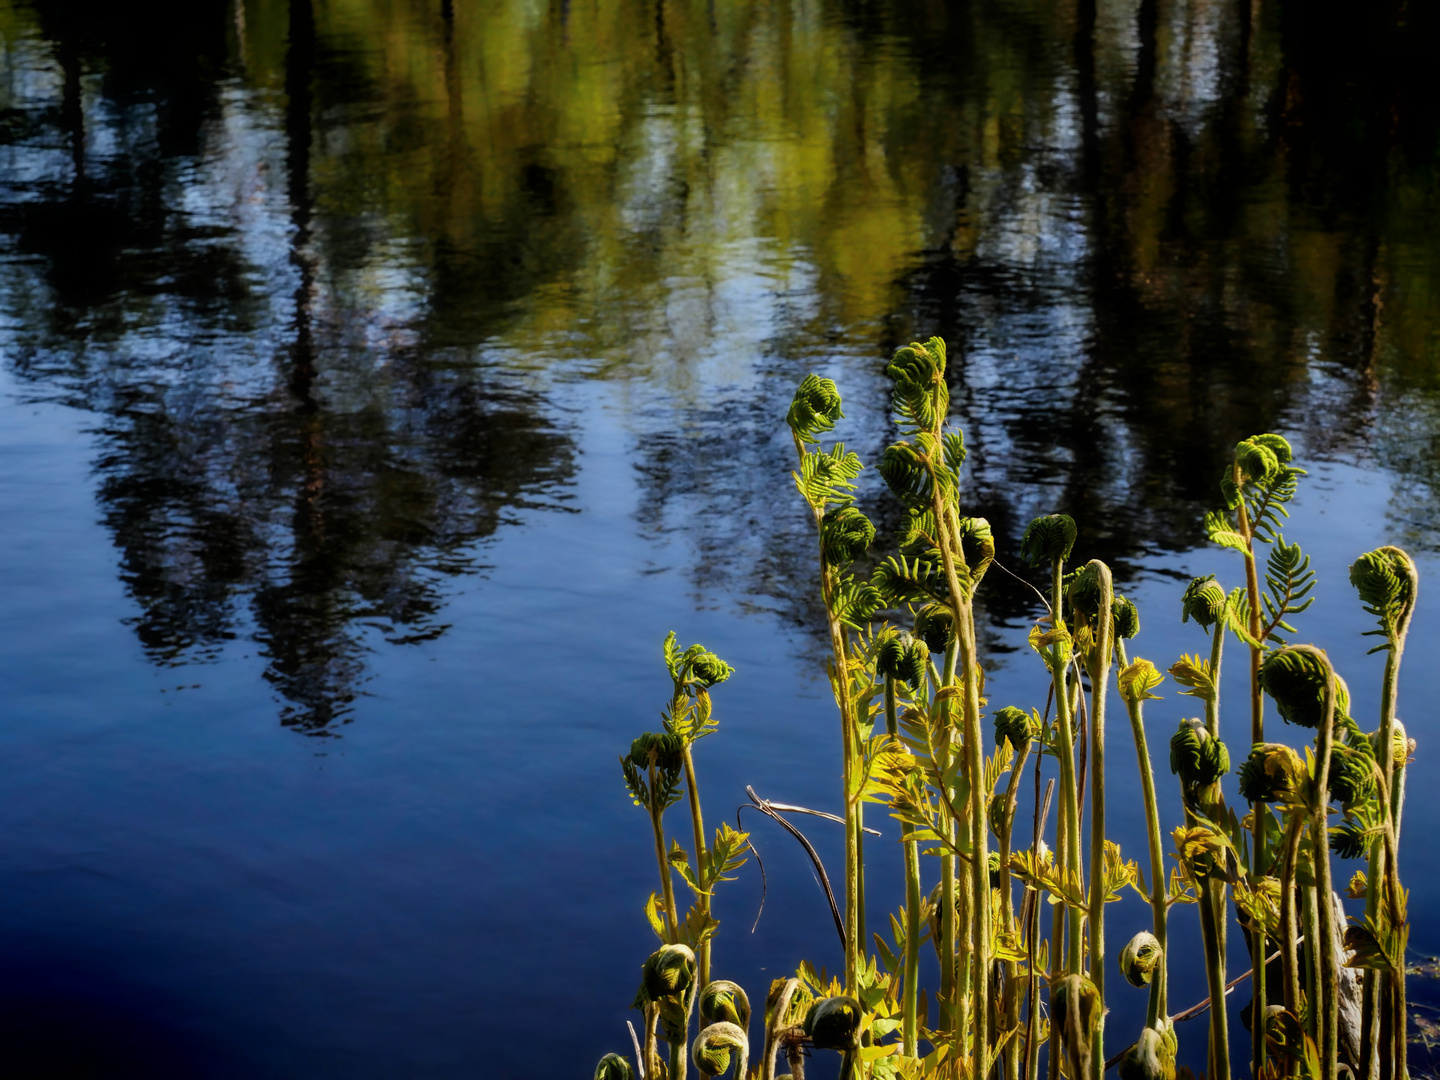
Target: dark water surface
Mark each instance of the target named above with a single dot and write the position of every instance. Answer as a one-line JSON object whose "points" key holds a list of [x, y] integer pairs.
{"points": [[380, 381]]}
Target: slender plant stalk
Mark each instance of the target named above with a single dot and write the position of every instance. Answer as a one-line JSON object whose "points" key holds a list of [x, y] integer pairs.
{"points": [[1257, 735], [1329, 981], [1007, 898], [910, 985], [1289, 929], [847, 743], [1384, 869], [701, 855], [1069, 790], [1032, 931], [949, 991], [977, 871], [1158, 896], [1099, 681], [667, 886]]}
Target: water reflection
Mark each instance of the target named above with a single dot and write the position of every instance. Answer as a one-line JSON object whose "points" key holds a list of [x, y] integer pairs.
{"points": [[284, 454], [320, 267]]}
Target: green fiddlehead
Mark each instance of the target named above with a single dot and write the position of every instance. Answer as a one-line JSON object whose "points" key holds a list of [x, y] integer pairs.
{"points": [[614, 1067], [716, 1044], [724, 1000], [815, 408]]}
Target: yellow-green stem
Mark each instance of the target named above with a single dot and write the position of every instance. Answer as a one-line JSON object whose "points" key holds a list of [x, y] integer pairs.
{"points": [[910, 980], [701, 857], [1158, 910], [1099, 683], [667, 886]]}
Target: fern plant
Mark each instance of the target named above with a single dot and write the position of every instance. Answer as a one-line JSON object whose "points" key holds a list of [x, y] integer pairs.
{"points": [[911, 693]]}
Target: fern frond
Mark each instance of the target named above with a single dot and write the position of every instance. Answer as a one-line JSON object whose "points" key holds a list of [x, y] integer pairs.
{"points": [[815, 408], [855, 603], [910, 581], [827, 478], [920, 397], [1266, 503], [1288, 581], [1385, 579], [912, 469]]}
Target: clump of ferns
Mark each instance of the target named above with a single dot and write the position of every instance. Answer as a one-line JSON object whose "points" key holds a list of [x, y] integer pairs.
{"points": [[658, 767], [929, 767]]}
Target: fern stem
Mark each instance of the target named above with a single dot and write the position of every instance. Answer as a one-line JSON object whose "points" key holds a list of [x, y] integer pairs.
{"points": [[1158, 909], [1099, 683], [1007, 896], [1289, 931], [702, 900], [1069, 794], [667, 886], [1212, 905], [977, 871], [1257, 735], [910, 979]]}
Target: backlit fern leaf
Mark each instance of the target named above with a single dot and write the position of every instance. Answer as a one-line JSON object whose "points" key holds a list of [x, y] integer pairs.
{"points": [[920, 397], [856, 603], [828, 478], [914, 581], [1288, 579]]}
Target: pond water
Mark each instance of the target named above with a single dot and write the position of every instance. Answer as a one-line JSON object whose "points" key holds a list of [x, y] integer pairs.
{"points": [[381, 381]]}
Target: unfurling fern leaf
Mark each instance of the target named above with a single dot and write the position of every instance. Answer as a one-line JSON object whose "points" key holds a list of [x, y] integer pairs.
{"points": [[1386, 581], [935, 625], [845, 535], [856, 603], [815, 408], [978, 545], [911, 471], [828, 478], [1288, 578], [910, 581], [920, 397], [1048, 539]]}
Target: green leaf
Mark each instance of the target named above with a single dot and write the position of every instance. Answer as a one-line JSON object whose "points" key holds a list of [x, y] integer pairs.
{"points": [[1221, 532]]}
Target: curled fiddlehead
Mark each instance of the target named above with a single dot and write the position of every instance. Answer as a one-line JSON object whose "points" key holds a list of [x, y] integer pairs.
{"points": [[1126, 616], [1140, 957], [1153, 1055], [1386, 580], [1295, 679], [935, 626], [1048, 539], [1204, 601], [911, 469], [724, 1000], [1272, 773], [668, 972], [668, 984], [845, 535], [900, 656], [833, 1023], [714, 1046], [979, 546], [815, 408], [1015, 724], [1076, 1010], [667, 754], [1352, 775], [614, 1067], [920, 397], [1196, 757]]}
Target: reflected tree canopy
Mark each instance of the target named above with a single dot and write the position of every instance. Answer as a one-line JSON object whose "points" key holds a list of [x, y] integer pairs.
{"points": [[319, 269]]}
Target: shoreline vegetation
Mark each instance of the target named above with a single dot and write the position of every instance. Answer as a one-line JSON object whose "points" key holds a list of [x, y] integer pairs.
{"points": [[922, 741]]}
